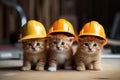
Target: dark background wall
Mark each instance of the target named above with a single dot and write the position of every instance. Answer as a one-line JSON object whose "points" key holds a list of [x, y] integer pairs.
{"points": [[78, 12]]}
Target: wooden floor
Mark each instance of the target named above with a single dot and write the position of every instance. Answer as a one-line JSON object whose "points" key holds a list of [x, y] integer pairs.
{"points": [[111, 71]]}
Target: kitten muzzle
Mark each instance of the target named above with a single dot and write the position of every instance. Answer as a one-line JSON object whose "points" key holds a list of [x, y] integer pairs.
{"points": [[90, 50], [58, 48], [33, 49]]}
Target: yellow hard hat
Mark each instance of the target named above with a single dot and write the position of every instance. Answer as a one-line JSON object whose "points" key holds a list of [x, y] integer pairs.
{"points": [[93, 28], [32, 29], [62, 25]]}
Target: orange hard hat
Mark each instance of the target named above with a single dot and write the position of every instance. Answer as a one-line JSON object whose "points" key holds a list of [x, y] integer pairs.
{"points": [[62, 25], [32, 29], [93, 28]]}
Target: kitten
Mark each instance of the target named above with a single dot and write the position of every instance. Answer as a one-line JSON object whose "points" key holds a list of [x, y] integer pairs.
{"points": [[34, 54], [60, 51], [88, 54]]}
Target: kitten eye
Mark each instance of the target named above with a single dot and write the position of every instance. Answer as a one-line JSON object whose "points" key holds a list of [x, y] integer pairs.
{"points": [[29, 44], [55, 42], [38, 44], [62, 43], [86, 44], [95, 45]]}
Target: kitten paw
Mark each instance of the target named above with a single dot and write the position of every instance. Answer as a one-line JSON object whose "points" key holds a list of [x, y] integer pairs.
{"points": [[40, 68], [52, 69], [90, 68], [25, 68], [80, 68], [68, 67]]}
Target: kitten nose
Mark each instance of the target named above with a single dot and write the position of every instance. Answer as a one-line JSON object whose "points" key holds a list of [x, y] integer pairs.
{"points": [[33, 48], [58, 47], [89, 49]]}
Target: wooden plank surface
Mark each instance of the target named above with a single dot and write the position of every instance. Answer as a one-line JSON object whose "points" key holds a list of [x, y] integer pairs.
{"points": [[111, 71]]}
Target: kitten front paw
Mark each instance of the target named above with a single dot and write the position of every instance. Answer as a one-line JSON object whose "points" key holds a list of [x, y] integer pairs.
{"points": [[80, 68], [52, 69], [90, 67], [40, 68], [97, 67], [25, 68], [68, 67]]}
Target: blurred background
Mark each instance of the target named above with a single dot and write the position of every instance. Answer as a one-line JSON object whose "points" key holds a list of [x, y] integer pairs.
{"points": [[78, 12], [13, 13]]}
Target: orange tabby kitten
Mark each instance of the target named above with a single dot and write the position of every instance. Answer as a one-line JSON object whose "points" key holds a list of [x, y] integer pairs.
{"points": [[34, 54], [60, 51], [88, 54]]}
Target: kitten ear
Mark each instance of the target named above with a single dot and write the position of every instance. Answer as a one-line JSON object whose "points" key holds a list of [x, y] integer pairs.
{"points": [[24, 41], [80, 39], [45, 39], [71, 39], [49, 36], [101, 41]]}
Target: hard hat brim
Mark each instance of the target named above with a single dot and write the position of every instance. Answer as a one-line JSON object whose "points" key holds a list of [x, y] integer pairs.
{"points": [[96, 35], [60, 31], [31, 37]]}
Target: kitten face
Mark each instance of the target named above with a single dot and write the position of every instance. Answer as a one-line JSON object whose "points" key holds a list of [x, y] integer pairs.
{"points": [[34, 45], [90, 45], [60, 43]]}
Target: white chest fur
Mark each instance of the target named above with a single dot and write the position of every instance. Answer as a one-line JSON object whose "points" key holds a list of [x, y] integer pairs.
{"points": [[61, 58]]}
